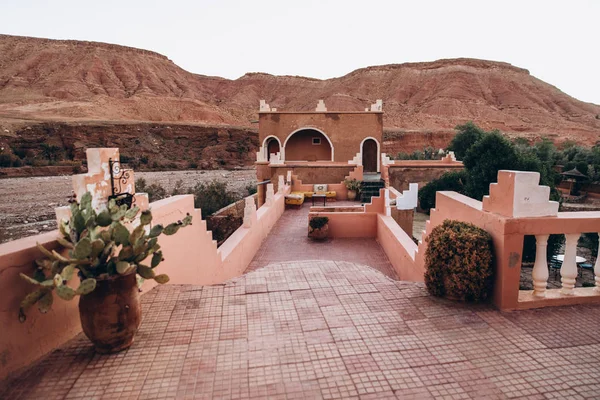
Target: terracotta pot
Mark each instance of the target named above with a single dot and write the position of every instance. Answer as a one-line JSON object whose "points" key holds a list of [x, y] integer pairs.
{"points": [[111, 314], [319, 234], [351, 195]]}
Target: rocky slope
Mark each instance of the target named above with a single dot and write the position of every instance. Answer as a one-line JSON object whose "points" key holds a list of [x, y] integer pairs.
{"points": [[71, 80]]}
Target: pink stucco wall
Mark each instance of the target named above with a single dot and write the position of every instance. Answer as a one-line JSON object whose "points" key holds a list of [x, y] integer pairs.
{"points": [[400, 249], [191, 257]]}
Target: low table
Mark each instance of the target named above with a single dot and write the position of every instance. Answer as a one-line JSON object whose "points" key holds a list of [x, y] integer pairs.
{"points": [[561, 258], [319, 196]]}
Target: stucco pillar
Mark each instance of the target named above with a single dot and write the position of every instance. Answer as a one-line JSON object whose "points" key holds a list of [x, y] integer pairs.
{"points": [[404, 218], [249, 212], [509, 252], [260, 195], [270, 195]]}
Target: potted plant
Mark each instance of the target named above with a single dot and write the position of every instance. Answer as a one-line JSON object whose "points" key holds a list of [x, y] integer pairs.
{"points": [[318, 227], [353, 187], [107, 257]]}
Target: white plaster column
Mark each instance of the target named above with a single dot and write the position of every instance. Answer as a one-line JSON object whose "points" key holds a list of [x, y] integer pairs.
{"points": [[280, 184], [568, 270], [289, 177], [539, 274], [270, 195], [597, 269], [249, 211]]}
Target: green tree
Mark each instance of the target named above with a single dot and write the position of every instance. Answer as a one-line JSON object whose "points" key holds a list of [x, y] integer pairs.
{"points": [[452, 181], [484, 159], [468, 134]]}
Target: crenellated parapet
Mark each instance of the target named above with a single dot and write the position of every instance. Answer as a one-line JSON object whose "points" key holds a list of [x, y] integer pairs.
{"points": [[518, 194]]}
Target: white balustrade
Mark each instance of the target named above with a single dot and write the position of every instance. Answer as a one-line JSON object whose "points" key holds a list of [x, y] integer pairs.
{"points": [[539, 274], [568, 270]]}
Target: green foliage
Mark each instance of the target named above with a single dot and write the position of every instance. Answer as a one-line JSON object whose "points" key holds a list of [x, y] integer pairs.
{"points": [[590, 242], [212, 196], [459, 262], [555, 243], [51, 152], [98, 246], [449, 181], [484, 159], [353, 184], [428, 153], [251, 189], [468, 134], [155, 191], [318, 222]]}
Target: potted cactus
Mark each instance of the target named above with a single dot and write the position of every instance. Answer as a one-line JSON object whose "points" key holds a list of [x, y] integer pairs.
{"points": [[353, 187], [107, 258], [318, 228]]}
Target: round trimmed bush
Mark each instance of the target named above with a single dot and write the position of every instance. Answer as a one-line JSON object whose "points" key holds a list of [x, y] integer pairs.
{"points": [[459, 262]]}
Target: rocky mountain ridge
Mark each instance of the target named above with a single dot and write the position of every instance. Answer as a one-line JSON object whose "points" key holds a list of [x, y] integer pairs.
{"points": [[66, 80]]}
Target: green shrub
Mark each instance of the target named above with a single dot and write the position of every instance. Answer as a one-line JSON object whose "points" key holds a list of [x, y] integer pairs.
{"points": [[193, 165], [212, 196], [453, 181], [144, 159], [318, 222], [155, 191], [459, 262], [251, 189], [6, 160]]}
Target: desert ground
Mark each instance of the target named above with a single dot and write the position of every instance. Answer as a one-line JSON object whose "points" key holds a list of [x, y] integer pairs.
{"points": [[27, 204]]}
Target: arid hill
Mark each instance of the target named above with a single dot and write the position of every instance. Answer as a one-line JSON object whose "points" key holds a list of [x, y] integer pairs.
{"points": [[56, 80]]}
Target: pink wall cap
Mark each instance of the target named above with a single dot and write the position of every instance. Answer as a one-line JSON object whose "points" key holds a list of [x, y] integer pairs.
{"points": [[519, 194]]}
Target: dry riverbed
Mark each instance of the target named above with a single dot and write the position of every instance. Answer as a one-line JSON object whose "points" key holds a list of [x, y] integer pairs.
{"points": [[27, 204]]}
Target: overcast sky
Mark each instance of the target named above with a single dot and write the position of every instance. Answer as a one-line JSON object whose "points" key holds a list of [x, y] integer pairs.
{"points": [[557, 41]]}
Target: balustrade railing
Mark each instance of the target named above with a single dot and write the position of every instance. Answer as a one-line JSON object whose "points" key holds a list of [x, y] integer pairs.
{"points": [[568, 269]]}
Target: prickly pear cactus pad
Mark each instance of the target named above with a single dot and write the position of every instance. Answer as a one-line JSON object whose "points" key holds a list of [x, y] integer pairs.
{"points": [[98, 246]]}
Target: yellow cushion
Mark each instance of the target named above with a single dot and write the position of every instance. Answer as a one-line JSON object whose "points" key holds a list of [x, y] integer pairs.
{"points": [[308, 195], [295, 198], [330, 194]]}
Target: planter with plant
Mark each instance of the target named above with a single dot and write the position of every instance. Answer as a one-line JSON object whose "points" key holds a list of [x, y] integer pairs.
{"points": [[318, 227], [107, 258], [459, 262], [353, 187]]}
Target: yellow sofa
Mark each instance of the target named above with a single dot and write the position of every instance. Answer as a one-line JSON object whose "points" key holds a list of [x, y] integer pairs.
{"points": [[294, 199], [321, 189]]}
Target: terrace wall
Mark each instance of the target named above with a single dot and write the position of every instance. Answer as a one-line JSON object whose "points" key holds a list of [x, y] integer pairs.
{"points": [[191, 257]]}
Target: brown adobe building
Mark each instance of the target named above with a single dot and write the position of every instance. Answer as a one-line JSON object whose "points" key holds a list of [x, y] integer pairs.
{"points": [[320, 147]]}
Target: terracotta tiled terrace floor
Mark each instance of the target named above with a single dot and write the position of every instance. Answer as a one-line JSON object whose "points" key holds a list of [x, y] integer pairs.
{"points": [[325, 329], [289, 241]]}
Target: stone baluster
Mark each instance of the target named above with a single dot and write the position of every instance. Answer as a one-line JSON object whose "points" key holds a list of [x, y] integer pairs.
{"points": [[597, 269], [539, 274], [568, 270], [270, 195]]}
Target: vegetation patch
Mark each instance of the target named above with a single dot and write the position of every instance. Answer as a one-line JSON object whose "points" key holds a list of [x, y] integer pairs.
{"points": [[459, 262]]}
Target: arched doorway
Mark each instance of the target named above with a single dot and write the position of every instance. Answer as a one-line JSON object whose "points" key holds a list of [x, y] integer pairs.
{"points": [[369, 155], [272, 147], [308, 145]]}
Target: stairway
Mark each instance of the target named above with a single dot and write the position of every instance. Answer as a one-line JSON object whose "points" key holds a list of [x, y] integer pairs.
{"points": [[370, 187]]}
